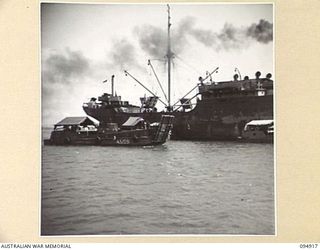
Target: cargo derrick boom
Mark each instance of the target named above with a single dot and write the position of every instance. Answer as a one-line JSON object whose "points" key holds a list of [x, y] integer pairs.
{"points": [[220, 113]]}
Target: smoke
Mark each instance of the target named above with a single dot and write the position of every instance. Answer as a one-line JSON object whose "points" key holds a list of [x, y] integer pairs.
{"points": [[63, 67], [153, 39], [122, 55], [231, 37], [262, 31]]}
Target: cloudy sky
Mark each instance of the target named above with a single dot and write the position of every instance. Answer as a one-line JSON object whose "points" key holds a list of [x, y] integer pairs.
{"points": [[84, 44]]}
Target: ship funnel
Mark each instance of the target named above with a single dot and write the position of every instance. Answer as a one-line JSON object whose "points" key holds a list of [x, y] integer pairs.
{"points": [[112, 85]]}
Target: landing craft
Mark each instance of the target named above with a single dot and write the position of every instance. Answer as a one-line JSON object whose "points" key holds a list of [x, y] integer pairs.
{"points": [[134, 132]]}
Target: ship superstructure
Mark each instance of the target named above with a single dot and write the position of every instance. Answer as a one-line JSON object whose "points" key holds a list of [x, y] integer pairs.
{"points": [[218, 110]]}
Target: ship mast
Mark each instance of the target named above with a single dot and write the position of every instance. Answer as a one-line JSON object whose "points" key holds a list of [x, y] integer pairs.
{"points": [[169, 56]]}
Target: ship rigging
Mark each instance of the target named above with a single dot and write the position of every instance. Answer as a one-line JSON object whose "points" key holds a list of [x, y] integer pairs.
{"points": [[169, 56], [221, 111], [185, 102]]}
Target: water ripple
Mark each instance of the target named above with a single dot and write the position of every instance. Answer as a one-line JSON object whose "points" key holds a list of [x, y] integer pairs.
{"points": [[178, 188]]}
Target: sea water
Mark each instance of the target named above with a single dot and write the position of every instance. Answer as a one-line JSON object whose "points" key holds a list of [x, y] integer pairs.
{"points": [[181, 187]]}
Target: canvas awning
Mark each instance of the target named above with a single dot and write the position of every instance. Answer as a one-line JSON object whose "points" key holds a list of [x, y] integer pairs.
{"points": [[132, 121], [260, 122], [80, 120]]}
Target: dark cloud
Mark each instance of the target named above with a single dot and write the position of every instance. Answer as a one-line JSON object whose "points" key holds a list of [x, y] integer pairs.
{"points": [[122, 55], [262, 32], [63, 67], [231, 37], [153, 39], [62, 74]]}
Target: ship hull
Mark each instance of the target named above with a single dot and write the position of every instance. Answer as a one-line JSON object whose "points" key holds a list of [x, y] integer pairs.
{"points": [[212, 119], [131, 134]]}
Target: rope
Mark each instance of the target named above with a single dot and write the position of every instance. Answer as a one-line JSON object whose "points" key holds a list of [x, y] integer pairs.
{"points": [[190, 66]]}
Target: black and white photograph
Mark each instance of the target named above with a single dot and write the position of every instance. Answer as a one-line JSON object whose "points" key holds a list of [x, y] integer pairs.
{"points": [[157, 119]]}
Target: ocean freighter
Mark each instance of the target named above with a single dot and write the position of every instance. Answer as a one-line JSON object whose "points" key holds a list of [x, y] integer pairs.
{"points": [[218, 111]]}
